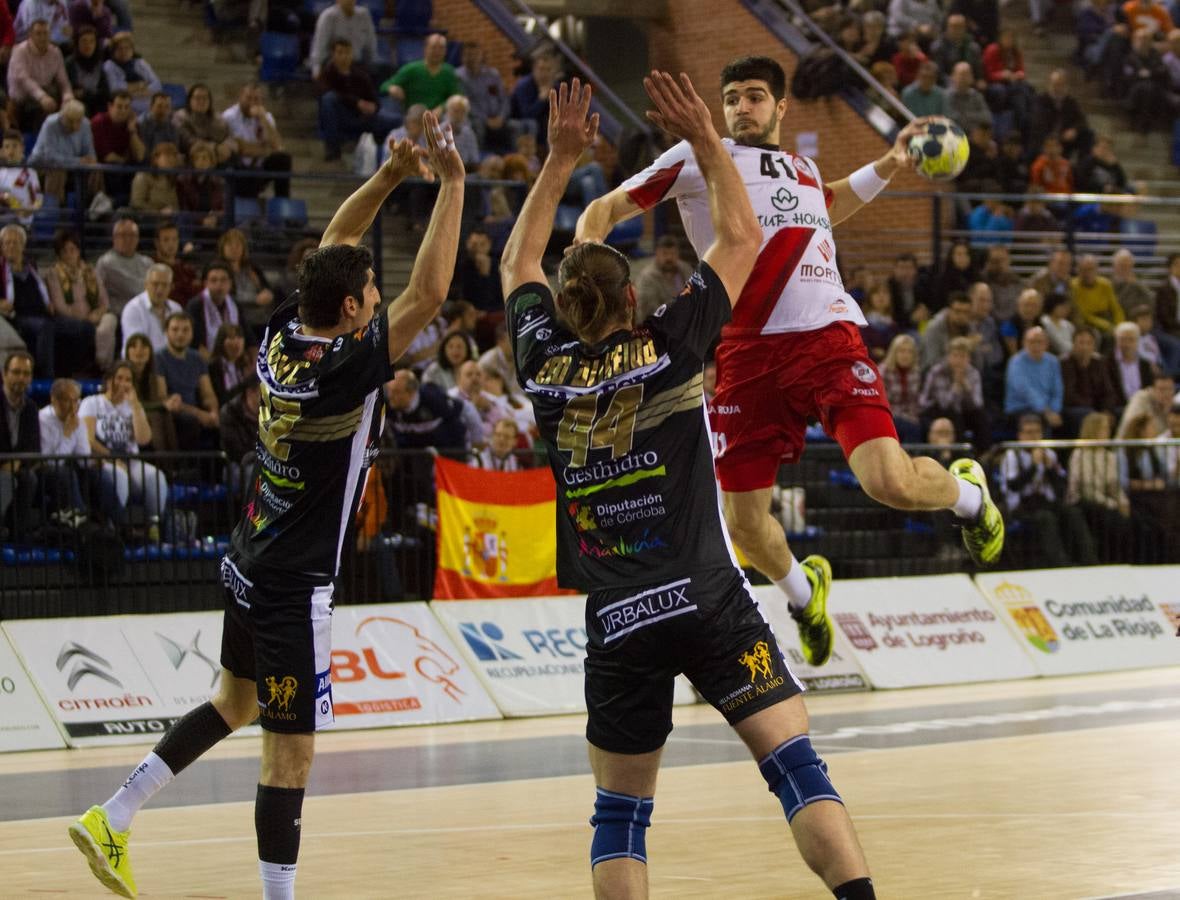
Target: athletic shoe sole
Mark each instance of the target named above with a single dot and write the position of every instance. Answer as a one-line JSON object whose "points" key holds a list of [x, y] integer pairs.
{"points": [[98, 861]]}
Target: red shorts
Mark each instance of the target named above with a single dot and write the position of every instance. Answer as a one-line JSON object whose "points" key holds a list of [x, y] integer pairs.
{"points": [[768, 387]]}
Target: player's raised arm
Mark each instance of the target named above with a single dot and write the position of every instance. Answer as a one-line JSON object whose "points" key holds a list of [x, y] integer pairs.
{"points": [[680, 111], [603, 214], [851, 193], [356, 214], [571, 130], [430, 279]]}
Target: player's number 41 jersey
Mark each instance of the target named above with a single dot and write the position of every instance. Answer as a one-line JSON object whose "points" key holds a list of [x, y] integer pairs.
{"points": [[795, 285]]}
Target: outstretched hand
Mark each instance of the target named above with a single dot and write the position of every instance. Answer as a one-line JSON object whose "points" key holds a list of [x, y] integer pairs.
{"points": [[679, 109], [901, 146], [440, 153], [571, 126], [404, 162]]}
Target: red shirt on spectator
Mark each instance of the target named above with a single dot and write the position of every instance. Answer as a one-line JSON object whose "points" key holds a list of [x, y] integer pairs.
{"points": [[994, 62], [1051, 176], [907, 66], [109, 137], [7, 31]]}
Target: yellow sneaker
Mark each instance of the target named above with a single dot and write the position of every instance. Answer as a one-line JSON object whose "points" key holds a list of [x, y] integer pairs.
{"points": [[815, 625], [106, 851], [983, 538]]}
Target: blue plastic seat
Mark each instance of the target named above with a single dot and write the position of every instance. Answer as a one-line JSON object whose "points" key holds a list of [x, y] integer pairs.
{"points": [[246, 210], [176, 92], [286, 212], [280, 57], [413, 16]]}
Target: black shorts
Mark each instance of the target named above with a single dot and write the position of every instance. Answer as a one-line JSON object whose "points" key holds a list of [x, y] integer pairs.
{"points": [[707, 627], [280, 637]]}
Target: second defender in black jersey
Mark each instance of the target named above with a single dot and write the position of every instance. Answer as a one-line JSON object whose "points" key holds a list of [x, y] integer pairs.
{"points": [[620, 411], [323, 359]]}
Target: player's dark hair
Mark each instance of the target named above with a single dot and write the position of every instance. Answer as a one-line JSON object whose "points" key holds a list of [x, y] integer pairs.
{"points": [[326, 277], [756, 68], [593, 279]]}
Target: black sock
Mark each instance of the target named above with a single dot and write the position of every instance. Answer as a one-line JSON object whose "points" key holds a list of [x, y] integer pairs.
{"points": [[195, 733], [277, 813], [857, 889]]}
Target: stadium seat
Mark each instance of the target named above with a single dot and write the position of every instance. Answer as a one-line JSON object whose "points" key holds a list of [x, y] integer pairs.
{"points": [[46, 220], [413, 17], [247, 210], [1139, 236], [626, 233], [177, 92], [280, 57], [286, 212], [408, 48]]}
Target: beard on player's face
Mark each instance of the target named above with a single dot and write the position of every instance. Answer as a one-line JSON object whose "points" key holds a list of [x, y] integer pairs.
{"points": [[748, 137]]}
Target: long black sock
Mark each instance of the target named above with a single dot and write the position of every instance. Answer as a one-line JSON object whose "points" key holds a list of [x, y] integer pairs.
{"points": [[277, 822], [195, 733], [857, 889]]}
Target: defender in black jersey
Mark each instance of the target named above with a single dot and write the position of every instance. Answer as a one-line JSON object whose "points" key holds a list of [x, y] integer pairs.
{"points": [[621, 413], [324, 356]]}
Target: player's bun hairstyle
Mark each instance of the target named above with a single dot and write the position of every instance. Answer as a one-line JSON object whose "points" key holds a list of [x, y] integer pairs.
{"points": [[756, 68], [326, 277], [592, 294]]}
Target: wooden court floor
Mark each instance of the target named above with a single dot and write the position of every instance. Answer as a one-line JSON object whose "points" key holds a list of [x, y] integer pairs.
{"points": [[1057, 788]]}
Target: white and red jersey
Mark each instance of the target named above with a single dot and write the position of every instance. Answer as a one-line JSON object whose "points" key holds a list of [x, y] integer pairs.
{"points": [[795, 285]]}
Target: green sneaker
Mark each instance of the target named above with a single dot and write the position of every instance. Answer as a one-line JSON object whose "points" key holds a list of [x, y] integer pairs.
{"points": [[983, 538], [105, 850], [815, 625]]}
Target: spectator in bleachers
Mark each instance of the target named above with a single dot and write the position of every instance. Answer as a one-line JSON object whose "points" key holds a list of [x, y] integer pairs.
{"points": [[1171, 453], [1155, 345], [1153, 506], [909, 306], [956, 45], [953, 389], [198, 123], [1100, 172], [156, 126], [1086, 386], [84, 69], [64, 140], [63, 434], [191, 398], [1145, 81], [518, 405], [1093, 296], [908, 60], [876, 45], [117, 424], [342, 21], [488, 408], [1153, 400], [1054, 280], [457, 110], [1034, 216], [167, 247], [423, 415], [54, 13], [348, 105], [427, 81], [1148, 15], [922, 17], [1011, 169], [950, 322], [20, 432], [1004, 283], [958, 274], [530, 95], [1055, 113], [1003, 66], [454, 350], [1033, 486], [979, 175], [941, 433], [213, 307], [202, 191], [229, 366], [882, 328], [92, 14], [663, 279], [122, 269], [76, 292], [989, 354], [1051, 172], [289, 280], [238, 421], [151, 391], [7, 35], [259, 145], [128, 72], [251, 290], [484, 87], [154, 191], [498, 359], [1172, 60], [903, 384], [26, 304], [1059, 327], [1095, 24], [1097, 486], [992, 220], [1167, 298], [1032, 382], [116, 141], [20, 188], [37, 80], [424, 347], [1128, 371], [477, 276], [500, 453], [1029, 306], [147, 313], [923, 96], [965, 105], [1128, 289]]}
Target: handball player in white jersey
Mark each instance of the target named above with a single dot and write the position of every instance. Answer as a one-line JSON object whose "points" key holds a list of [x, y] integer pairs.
{"points": [[793, 348]]}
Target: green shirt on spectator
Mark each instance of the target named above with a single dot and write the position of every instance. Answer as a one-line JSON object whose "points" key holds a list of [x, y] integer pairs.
{"points": [[921, 103], [420, 86]]}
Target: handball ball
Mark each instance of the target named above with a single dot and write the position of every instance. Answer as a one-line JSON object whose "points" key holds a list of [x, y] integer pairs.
{"points": [[941, 152]]}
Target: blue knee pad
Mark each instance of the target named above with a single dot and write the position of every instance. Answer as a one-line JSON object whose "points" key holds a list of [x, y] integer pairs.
{"points": [[620, 823], [797, 775]]}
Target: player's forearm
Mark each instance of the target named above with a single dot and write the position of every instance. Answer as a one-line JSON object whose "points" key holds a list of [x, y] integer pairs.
{"points": [[596, 221], [435, 264], [357, 213], [733, 218], [530, 235]]}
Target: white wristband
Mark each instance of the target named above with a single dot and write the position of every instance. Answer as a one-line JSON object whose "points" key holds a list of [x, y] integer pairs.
{"points": [[866, 183]]}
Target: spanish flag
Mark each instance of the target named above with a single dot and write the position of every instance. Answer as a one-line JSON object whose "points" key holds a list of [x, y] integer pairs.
{"points": [[495, 533]]}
